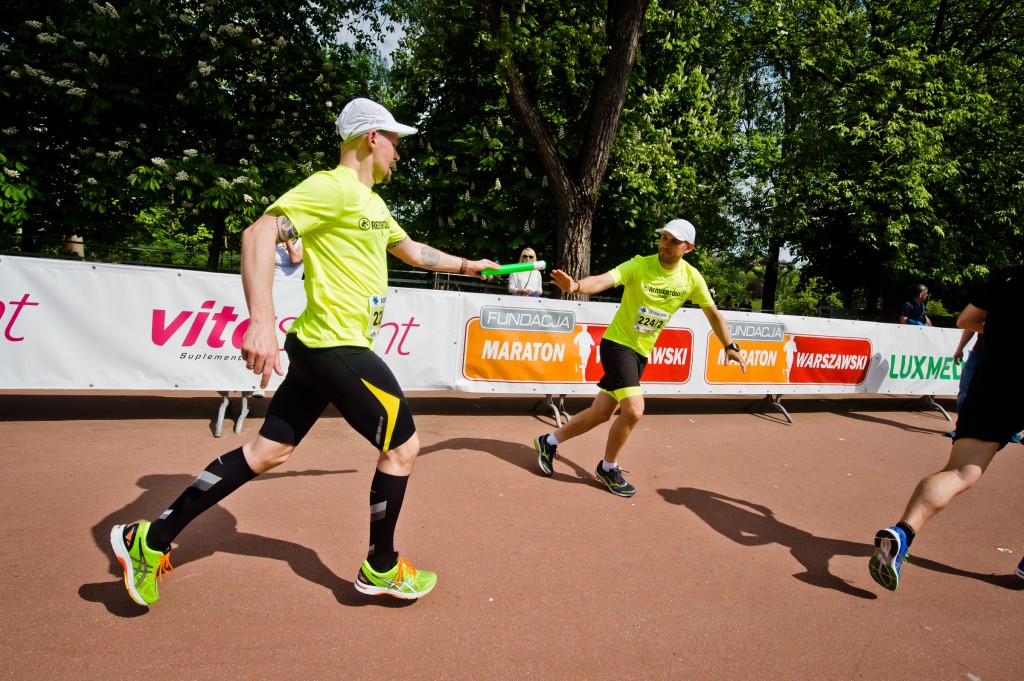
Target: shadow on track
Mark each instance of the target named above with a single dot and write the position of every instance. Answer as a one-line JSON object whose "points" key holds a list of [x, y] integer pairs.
{"points": [[516, 454]]}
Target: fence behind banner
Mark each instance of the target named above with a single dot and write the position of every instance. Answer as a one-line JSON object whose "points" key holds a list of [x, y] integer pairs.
{"points": [[74, 325]]}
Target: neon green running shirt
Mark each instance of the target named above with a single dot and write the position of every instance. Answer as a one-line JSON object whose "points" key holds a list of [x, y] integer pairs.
{"points": [[346, 230], [651, 295]]}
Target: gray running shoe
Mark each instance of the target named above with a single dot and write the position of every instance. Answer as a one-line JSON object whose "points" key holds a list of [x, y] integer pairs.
{"points": [[545, 454], [616, 483]]}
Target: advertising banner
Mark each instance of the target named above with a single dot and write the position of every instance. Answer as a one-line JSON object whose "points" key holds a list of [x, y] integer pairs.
{"points": [[73, 325]]}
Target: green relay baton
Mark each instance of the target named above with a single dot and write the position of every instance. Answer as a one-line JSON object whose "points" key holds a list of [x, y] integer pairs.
{"points": [[515, 267]]}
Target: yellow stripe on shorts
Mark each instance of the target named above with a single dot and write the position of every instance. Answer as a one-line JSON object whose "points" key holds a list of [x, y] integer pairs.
{"points": [[390, 404]]}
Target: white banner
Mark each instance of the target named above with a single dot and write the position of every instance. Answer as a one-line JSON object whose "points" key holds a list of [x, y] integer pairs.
{"points": [[72, 325]]}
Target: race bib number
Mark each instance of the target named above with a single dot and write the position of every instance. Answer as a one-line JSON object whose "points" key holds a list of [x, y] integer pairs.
{"points": [[376, 315], [649, 320]]}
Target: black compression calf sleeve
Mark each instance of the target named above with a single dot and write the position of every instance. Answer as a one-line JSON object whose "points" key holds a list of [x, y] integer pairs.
{"points": [[386, 495], [223, 476]]}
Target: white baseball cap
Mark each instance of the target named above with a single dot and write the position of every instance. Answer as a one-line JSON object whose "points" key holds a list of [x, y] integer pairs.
{"points": [[361, 115], [680, 229]]}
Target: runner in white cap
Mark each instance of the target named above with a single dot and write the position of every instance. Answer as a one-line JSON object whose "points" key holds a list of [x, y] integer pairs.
{"points": [[655, 286], [347, 232]]}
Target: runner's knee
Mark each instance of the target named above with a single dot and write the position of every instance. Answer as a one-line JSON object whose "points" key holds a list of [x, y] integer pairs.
{"points": [[631, 409], [405, 454], [262, 454]]}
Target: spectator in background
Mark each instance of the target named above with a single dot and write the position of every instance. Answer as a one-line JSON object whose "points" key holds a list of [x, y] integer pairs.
{"points": [[288, 259], [74, 247], [526, 283], [914, 309]]}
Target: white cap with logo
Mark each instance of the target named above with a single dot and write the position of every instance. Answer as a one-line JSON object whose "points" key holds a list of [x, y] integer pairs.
{"points": [[361, 115], [680, 229]]}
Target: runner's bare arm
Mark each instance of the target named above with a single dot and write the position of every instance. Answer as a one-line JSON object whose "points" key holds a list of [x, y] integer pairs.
{"points": [[721, 329], [429, 258], [965, 338], [972, 319], [259, 346], [585, 286], [285, 229]]}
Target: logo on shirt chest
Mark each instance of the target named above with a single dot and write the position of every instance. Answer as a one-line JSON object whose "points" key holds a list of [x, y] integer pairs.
{"points": [[366, 224], [662, 292]]}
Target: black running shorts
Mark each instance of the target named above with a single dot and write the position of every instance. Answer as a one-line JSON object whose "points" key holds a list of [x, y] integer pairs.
{"points": [[355, 380], [623, 368], [993, 409]]}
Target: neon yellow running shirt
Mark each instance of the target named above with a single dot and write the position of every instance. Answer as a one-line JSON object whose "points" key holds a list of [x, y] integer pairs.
{"points": [[651, 295], [346, 229]]}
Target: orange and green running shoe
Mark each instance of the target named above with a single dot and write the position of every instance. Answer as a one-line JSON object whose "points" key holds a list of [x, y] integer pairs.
{"points": [[401, 581], [142, 565]]}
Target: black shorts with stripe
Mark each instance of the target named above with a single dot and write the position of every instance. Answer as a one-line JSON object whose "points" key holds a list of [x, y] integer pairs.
{"points": [[355, 380]]}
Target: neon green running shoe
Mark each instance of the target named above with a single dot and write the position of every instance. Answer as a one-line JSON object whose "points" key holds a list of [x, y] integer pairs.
{"points": [[142, 565], [401, 581]]}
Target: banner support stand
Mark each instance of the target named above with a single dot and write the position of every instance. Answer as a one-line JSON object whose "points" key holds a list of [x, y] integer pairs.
{"points": [[558, 411], [929, 402], [774, 402]]}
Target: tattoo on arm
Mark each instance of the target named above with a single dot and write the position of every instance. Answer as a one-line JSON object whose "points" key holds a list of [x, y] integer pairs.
{"points": [[285, 228], [429, 256]]}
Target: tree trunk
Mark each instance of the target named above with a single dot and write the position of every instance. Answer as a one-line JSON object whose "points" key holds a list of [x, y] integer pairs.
{"points": [[575, 214], [771, 274], [576, 181], [217, 243]]}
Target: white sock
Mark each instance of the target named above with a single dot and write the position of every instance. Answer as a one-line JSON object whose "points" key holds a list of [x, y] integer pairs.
{"points": [[605, 466], [552, 440]]}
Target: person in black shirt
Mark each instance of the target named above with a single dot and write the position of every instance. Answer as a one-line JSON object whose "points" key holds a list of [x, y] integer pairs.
{"points": [[993, 412], [914, 309]]}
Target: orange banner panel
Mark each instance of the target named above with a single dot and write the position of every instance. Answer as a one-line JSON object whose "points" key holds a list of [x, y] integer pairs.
{"points": [[531, 356], [766, 363]]}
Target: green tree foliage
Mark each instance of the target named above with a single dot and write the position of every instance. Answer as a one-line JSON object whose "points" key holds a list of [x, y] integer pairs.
{"points": [[883, 140], [519, 142], [514, 66], [878, 140], [674, 152], [205, 109]]}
